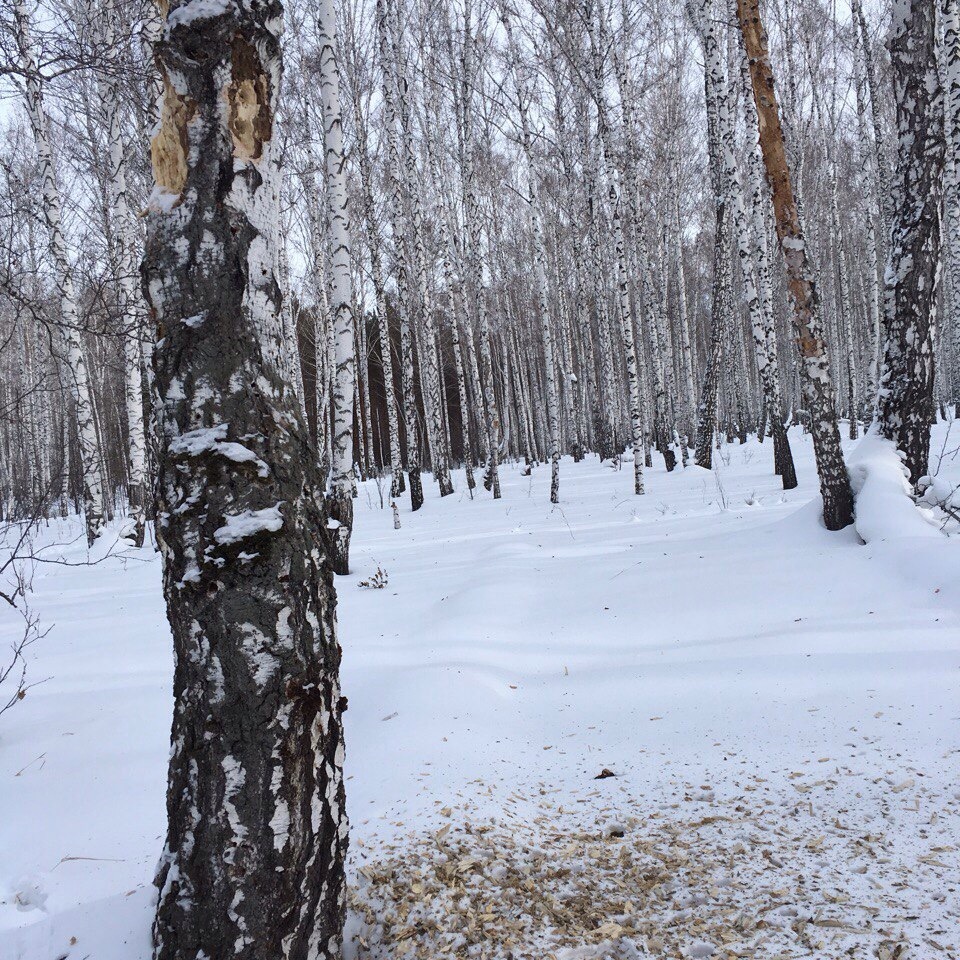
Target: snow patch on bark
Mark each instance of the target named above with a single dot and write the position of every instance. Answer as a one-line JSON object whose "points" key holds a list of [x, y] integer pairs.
{"points": [[195, 443], [239, 526], [198, 10]]}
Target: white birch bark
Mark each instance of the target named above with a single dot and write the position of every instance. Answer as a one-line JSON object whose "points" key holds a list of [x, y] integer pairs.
{"points": [[374, 242], [94, 496], [951, 85], [128, 286], [429, 368], [539, 258], [407, 400], [884, 180], [906, 408], [341, 295], [455, 289], [871, 215]]}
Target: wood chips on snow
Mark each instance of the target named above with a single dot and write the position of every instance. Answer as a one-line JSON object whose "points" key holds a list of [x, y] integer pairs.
{"points": [[770, 873]]}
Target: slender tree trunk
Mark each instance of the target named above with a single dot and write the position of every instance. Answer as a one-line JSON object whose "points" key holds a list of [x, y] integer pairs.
{"points": [[884, 181], [540, 266], [127, 287], [340, 497], [714, 88], [872, 217], [816, 384], [629, 345], [762, 322], [94, 494], [291, 343], [429, 369], [407, 399], [707, 406], [257, 829], [455, 290], [374, 241], [683, 320]]}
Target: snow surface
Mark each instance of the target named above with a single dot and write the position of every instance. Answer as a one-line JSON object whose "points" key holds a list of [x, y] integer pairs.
{"points": [[709, 643]]}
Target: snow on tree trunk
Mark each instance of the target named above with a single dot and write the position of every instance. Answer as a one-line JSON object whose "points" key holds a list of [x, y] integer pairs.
{"points": [[340, 498], [94, 497], [905, 409], [816, 385], [257, 828]]}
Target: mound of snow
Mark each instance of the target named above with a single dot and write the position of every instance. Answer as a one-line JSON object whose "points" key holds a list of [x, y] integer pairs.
{"points": [[885, 508]]}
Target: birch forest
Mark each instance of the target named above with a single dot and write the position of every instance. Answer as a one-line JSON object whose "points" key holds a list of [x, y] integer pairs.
{"points": [[575, 371]]}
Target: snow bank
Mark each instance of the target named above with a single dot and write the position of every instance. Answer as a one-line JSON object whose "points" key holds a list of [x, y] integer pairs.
{"points": [[885, 508]]}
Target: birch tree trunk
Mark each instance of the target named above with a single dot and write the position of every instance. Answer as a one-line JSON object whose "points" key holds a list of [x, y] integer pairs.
{"points": [[473, 218], [951, 85], [872, 215], [714, 88], [131, 303], [629, 344], [429, 368], [884, 182], [340, 498], [767, 356], [407, 399], [816, 384], [686, 347], [456, 290], [374, 242], [94, 495], [539, 259], [257, 829], [906, 410]]}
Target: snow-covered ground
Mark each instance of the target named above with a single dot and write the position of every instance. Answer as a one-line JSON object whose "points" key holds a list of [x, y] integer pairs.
{"points": [[780, 708]]}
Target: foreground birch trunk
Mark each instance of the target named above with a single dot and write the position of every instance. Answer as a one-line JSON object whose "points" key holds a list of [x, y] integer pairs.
{"points": [[906, 410], [951, 176], [816, 385], [257, 829]]}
